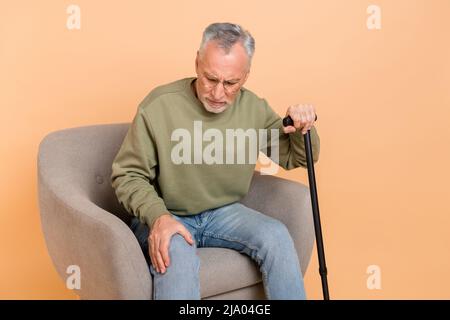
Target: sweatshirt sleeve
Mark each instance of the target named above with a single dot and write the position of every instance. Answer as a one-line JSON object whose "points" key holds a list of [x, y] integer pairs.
{"points": [[291, 146], [134, 172]]}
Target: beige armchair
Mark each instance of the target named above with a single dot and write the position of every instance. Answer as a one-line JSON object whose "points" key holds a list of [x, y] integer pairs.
{"points": [[84, 225]]}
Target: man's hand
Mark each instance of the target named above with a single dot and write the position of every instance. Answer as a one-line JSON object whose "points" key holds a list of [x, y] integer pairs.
{"points": [[159, 239], [303, 116]]}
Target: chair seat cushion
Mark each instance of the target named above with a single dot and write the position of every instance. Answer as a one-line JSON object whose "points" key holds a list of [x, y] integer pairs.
{"points": [[223, 270]]}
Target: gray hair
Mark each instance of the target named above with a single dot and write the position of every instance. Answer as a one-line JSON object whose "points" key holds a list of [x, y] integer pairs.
{"points": [[227, 34]]}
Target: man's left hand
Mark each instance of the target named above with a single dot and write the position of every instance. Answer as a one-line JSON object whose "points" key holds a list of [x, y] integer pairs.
{"points": [[303, 115]]}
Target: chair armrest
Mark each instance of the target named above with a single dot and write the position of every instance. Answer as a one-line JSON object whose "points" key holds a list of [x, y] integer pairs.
{"points": [[78, 232], [290, 203]]}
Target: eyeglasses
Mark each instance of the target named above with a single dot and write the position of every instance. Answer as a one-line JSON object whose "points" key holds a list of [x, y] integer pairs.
{"points": [[229, 86]]}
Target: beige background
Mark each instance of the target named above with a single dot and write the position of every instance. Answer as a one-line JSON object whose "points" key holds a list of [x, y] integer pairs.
{"points": [[382, 97]]}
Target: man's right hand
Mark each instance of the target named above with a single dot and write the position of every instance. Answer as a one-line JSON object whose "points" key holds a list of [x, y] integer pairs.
{"points": [[159, 238]]}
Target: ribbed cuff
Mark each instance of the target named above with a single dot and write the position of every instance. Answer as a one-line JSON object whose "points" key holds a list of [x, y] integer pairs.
{"points": [[154, 212]]}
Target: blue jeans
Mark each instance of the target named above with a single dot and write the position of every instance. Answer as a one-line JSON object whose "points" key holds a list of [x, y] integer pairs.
{"points": [[234, 226]]}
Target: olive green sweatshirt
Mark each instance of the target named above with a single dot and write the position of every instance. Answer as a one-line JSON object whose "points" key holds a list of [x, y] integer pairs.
{"points": [[178, 156]]}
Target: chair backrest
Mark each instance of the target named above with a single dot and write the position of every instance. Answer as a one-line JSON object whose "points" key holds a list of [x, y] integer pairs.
{"points": [[82, 157]]}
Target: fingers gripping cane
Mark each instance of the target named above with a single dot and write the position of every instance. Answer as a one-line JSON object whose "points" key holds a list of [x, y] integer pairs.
{"points": [[287, 121]]}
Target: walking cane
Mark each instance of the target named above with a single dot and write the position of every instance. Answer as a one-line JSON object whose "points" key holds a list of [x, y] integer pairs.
{"points": [[287, 121]]}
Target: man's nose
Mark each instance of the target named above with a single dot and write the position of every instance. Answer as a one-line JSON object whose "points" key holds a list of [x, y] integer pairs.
{"points": [[218, 92]]}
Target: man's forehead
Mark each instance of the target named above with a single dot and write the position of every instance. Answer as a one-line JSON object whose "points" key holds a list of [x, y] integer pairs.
{"points": [[218, 63]]}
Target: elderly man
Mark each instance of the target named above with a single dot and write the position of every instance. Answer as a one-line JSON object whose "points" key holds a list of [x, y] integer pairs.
{"points": [[180, 206]]}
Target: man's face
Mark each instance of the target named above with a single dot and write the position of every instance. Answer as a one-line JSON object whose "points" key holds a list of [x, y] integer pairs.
{"points": [[220, 76]]}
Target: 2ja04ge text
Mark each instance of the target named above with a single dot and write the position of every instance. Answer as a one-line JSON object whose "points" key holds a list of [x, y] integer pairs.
{"points": [[228, 310]]}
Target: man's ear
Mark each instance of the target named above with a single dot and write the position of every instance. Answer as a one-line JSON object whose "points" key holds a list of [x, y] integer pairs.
{"points": [[246, 76], [196, 62]]}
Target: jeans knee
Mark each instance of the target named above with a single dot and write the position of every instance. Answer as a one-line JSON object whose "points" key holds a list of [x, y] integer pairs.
{"points": [[182, 254]]}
